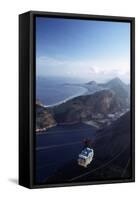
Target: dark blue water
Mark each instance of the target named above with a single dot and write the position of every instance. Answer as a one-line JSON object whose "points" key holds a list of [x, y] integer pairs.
{"points": [[58, 146], [63, 143], [51, 91]]}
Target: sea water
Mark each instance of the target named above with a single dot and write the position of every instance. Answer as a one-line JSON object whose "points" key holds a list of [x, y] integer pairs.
{"points": [[52, 91]]}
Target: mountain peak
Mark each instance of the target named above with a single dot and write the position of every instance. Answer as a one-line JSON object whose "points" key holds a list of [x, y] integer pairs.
{"points": [[91, 83], [116, 80]]}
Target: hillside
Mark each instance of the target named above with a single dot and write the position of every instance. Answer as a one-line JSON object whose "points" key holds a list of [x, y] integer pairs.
{"points": [[88, 107], [120, 88], [100, 108], [111, 159], [44, 118]]}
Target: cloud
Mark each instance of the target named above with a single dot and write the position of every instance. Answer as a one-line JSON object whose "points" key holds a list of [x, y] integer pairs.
{"points": [[99, 70]]}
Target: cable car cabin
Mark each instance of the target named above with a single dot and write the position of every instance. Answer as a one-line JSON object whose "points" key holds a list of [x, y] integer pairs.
{"points": [[85, 157]]}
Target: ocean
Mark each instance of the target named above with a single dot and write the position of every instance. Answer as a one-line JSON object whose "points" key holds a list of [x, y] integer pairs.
{"points": [[59, 146], [52, 91]]}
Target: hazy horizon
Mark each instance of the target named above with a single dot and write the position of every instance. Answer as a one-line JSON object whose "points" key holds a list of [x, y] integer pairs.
{"points": [[82, 49]]}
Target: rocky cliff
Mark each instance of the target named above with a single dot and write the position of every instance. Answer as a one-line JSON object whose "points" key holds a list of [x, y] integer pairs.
{"points": [[44, 118], [84, 108]]}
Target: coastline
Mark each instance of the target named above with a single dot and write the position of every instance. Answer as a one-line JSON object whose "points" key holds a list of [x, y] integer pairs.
{"points": [[65, 100], [44, 130]]}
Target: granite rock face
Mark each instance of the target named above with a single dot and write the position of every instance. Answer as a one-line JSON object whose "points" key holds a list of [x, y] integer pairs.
{"points": [[87, 107], [44, 119]]}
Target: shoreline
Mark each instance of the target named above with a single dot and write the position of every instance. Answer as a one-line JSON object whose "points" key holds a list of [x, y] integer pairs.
{"points": [[65, 100]]}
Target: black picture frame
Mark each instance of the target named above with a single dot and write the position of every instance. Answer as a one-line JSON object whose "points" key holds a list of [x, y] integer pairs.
{"points": [[27, 94]]}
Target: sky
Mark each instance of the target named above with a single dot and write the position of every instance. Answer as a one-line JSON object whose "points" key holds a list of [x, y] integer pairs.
{"points": [[82, 49]]}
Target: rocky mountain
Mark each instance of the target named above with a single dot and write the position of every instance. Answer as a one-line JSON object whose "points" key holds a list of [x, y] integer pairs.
{"points": [[92, 83], [44, 118], [92, 87], [121, 89], [84, 108], [109, 101], [116, 82]]}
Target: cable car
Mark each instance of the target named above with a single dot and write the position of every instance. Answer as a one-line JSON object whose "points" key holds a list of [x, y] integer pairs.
{"points": [[85, 157]]}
